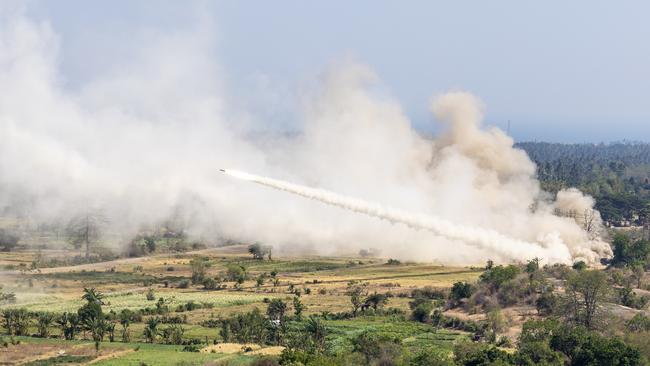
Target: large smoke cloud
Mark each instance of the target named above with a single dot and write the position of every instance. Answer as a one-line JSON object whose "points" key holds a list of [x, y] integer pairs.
{"points": [[143, 142]]}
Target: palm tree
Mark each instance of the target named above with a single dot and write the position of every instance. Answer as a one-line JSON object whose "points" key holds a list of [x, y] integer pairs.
{"points": [[151, 329], [276, 310], [97, 326], [93, 296], [69, 323], [43, 321], [125, 322], [316, 330]]}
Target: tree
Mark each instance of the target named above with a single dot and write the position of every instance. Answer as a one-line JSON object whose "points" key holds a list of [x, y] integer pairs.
{"points": [[355, 298], [235, 273], [496, 276], [260, 280], [480, 354], [43, 322], [276, 310], [259, 251], [579, 266], [199, 268], [460, 290], [8, 240], [638, 272], [93, 296], [376, 300], [85, 230], [317, 331], [368, 344], [97, 326], [496, 322], [298, 307], [125, 321], [422, 312], [151, 329], [69, 324], [16, 321], [629, 253], [173, 334], [585, 291]]}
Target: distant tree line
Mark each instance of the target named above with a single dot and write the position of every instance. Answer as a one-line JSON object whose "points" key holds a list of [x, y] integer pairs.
{"points": [[617, 175]]}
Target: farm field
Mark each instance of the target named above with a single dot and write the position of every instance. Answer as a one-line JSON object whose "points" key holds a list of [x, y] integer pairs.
{"points": [[146, 283]]}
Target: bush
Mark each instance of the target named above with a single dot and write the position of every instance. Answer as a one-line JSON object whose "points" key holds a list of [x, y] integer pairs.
{"points": [[468, 353], [210, 284], [151, 296], [429, 293], [393, 262], [460, 290], [546, 303], [629, 298], [498, 275], [638, 323], [184, 284], [422, 312]]}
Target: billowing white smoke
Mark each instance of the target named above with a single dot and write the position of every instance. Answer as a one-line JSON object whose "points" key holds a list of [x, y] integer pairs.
{"points": [[482, 238], [142, 140]]}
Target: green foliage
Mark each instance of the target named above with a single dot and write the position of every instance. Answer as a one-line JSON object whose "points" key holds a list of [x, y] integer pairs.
{"points": [[638, 323], [579, 266], [460, 290], [376, 300], [151, 331], [210, 284], [544, 341], [235, 273], [43, 322], [585, 293], [615, 174], [16, 321], [627, 297], [276, 310], [480, 354], [172, 334], [246, 328], [199, 268], [258, 251], [628, 252], [151, 296], [498, 275], [298, 307], [317, 330]]}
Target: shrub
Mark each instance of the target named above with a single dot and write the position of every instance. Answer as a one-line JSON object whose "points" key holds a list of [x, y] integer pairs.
{"points": [[638, 323], [151, 296], [460, 290], [422, 311], [184, 284], [498, 275], [210, 284], [393, 262]]}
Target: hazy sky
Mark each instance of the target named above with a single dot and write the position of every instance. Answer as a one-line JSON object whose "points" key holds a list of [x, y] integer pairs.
{"points": [[558, 70]]}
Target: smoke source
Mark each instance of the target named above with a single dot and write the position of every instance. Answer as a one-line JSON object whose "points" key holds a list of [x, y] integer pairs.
{"points": [[483, 238], [139, 141]]}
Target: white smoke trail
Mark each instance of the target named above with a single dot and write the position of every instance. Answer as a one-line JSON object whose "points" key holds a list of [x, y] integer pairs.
{"points": [[548, 252]]}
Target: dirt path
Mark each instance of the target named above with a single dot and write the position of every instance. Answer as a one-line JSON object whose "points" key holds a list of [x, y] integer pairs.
{"points": [[109, 356], [109, 264]]}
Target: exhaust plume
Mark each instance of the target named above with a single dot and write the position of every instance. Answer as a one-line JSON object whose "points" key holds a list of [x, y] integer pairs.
{"points": [[482, 238], [138, 141]]}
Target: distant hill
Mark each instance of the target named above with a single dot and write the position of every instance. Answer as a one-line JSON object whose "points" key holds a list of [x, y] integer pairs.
{"points": [[616, 174]]}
